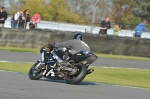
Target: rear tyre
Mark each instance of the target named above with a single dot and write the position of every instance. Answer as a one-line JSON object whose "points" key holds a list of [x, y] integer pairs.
{"points": [[77, 78], [35, 73]]}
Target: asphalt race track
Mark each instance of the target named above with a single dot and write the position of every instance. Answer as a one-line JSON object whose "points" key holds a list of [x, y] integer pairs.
{"points": [[33, 57], [19, 86]]}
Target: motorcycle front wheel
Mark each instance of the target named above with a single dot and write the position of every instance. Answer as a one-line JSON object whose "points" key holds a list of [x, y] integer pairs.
{"points": [[79, 76], [35, 73]]}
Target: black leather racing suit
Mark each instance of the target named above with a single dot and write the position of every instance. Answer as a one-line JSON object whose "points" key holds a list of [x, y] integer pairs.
{"points": [[74, 44]]}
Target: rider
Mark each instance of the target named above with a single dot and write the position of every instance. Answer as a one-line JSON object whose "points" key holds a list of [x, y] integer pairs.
{"points": [[76, 45]]}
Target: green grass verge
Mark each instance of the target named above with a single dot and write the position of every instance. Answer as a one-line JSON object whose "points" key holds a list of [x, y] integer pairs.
{"points": [[120, 76], [122, 57], [36, 50], [117, 76], [15, 67]]}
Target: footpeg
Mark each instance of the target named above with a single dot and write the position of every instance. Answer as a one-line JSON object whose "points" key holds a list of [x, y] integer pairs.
{"points": [[89, 71]]}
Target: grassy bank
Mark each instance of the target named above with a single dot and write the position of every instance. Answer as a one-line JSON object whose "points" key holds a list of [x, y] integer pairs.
{"points": [[36, 50], [126, 77], [119, 76]]}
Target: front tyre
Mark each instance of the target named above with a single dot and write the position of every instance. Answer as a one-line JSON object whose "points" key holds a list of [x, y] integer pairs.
{"points": [[79, 76], [35, 72]]}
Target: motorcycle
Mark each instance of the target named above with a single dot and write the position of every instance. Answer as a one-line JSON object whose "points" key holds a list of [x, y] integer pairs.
{"points": [[73, 72]]}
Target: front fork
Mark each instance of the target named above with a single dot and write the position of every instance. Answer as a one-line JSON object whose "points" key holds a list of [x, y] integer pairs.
{"points": [[37, 67]]}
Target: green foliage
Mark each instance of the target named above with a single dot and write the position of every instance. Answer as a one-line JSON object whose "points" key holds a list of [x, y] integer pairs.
{"points": [[79, 11], [123, 11], [35, 6], [131, 19], [142, 9], [52, 10]]}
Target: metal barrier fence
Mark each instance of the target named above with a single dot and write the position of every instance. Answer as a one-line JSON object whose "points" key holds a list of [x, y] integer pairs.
{"points": [[81, 28]]}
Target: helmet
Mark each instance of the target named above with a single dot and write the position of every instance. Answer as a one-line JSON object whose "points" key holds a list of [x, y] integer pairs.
{"points": [[54, 43], [78, 36], [52, 46]]}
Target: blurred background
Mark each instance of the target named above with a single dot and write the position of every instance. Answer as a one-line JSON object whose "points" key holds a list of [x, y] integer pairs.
{"points": [[82, 14]]}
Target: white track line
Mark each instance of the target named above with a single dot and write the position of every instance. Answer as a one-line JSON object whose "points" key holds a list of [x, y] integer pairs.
{"points": [[94, 66]]}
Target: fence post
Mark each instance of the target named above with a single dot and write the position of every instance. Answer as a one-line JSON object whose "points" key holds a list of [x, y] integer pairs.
{"points": [[94, 12]]}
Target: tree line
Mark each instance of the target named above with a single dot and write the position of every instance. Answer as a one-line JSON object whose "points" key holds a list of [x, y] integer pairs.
{"points": [[81, 11]]}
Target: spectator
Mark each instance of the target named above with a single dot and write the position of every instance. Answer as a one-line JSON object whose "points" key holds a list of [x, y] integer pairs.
{"points": [[32, 25], [35, 22], [21, 20], [3, 16], [116, 29], [140, 28], [14, 20], [105, 24], [27, 17], [36, 19]]}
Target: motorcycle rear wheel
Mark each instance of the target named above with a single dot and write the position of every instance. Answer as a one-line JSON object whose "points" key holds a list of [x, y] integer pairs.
{"points": [[77, 78], [35, 74]]}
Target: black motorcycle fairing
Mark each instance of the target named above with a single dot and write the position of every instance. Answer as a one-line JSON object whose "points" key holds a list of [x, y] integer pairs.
{"points": [[81, 56]]}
